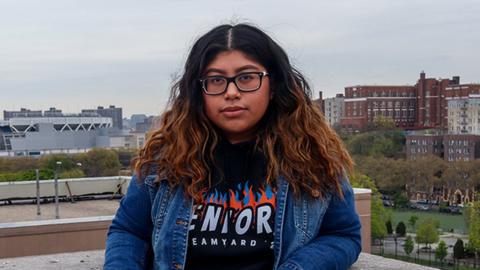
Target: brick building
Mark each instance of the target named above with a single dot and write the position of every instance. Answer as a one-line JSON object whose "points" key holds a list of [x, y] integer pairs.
{"points": [[421, 106], [451, 147], [461, 147], [422, 145], [364, 103]]}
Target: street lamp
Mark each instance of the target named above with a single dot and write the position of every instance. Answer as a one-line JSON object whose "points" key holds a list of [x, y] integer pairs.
{"points": [[37, 174], [69, 191], [395, 239], [57, 215]]}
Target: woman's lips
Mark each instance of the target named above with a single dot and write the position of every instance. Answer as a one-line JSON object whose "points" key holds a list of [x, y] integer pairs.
{"points": [[233, 111]]}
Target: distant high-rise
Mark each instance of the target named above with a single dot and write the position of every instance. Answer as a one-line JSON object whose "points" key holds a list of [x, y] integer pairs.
{"points": [[334, 109], [22, 113], [53, 112], [112, 111], [137, 118]]}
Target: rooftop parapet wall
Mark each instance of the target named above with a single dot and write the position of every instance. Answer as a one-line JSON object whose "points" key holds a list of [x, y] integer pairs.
{"points": [[94, 260], [89, 233]]}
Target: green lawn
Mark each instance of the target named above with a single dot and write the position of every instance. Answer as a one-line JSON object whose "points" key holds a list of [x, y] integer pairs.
{"points": [[447, 221], [432, 263]]}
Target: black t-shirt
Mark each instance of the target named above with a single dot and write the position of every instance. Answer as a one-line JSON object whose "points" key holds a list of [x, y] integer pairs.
{"points": [[233, 227]]}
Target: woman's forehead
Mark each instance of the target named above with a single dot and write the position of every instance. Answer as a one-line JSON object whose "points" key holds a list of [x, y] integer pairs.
{"points": [[232, 61]]}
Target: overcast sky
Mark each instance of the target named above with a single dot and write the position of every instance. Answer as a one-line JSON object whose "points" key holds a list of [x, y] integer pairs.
{"points": [[81, 54]]}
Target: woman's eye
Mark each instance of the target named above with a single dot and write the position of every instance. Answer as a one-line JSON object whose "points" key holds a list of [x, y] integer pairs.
{"points": [[216, 80], [246, 77]]}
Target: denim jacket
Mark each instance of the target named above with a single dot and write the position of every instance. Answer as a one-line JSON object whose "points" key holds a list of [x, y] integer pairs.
{"points": [[150, 229]]}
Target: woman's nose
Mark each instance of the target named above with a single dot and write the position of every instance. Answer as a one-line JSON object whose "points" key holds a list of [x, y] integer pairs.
{"points": [[232, 90]]}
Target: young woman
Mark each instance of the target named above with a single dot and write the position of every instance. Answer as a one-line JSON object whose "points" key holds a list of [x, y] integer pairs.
{"points": [[243, 173]]}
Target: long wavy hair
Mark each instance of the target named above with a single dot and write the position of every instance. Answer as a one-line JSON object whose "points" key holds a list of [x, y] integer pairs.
{"points": [[294, 137]]}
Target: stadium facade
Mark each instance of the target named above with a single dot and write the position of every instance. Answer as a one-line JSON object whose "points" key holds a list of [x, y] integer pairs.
{"points": [[32, 133]]}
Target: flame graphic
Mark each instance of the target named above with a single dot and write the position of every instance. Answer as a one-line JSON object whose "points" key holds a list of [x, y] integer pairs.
{"points": [[250, 198]]}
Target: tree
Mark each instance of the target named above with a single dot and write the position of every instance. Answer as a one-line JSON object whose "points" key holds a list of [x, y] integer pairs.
{"points": [[378, 228], [458, 250], [379, 143], [412, 220], [408, 247], [387, 173], [400, 230], [380, 123], [50, 162], [388, 224], [467, 214], [427, 233], [461, 174], [424, 173], [99, 162], [400, 200], [378, 213], [125, 156], [441, 251], [474, 231]]}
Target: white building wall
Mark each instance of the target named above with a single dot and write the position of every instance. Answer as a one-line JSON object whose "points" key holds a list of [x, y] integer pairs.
{"points": [[464, 115], [334, 109]]}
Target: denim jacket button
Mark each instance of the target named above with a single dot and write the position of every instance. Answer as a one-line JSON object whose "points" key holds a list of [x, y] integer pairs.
{"points": [[177, 265], [315, 193], [181, 222]]}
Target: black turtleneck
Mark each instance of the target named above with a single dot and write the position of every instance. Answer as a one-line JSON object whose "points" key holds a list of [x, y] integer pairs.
{"points": [[233, 227]]}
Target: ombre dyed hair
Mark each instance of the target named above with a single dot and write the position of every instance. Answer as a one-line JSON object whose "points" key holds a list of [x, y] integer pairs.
{"points": [[294, 137]]}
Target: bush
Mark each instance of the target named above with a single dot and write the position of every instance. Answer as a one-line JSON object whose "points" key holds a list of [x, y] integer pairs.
{"points": [[44, 174], [388, 224], [99, 162], [73, 173], [50, 162], [401, 229], [17, 164], [9, 176], [401, 201], [125, 157], [459, 249]]}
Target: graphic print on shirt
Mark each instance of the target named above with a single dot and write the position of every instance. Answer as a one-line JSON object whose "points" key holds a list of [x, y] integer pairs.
{"points": [[241, 216]]}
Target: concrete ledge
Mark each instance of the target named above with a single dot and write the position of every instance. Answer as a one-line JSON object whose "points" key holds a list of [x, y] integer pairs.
{"points": [[362, 205], [82, 234], [53, 236], [94, 260]]}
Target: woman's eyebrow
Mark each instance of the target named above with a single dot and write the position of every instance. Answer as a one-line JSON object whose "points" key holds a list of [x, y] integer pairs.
{"points": [[246, 67], [240, 69], [216, 70]]}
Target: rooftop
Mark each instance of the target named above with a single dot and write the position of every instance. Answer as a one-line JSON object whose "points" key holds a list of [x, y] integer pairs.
{"points": [[94, 260]]}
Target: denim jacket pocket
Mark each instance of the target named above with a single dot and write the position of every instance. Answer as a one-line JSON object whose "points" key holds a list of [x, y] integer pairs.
{"points": [[160, 194], [308, 215]]}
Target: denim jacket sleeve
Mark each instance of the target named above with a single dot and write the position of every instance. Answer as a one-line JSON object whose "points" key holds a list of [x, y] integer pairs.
{"points": [[128, 239], [339, 241]]}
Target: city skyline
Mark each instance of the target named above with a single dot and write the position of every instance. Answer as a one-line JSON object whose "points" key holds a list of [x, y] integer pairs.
{"points": [[73, 55]]}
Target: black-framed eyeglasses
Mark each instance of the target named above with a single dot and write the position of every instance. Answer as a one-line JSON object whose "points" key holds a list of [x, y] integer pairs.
{"points": [[245, 82]]}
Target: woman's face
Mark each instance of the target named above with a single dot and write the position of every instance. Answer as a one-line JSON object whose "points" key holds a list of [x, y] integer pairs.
{"points": [[234, 112]]}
